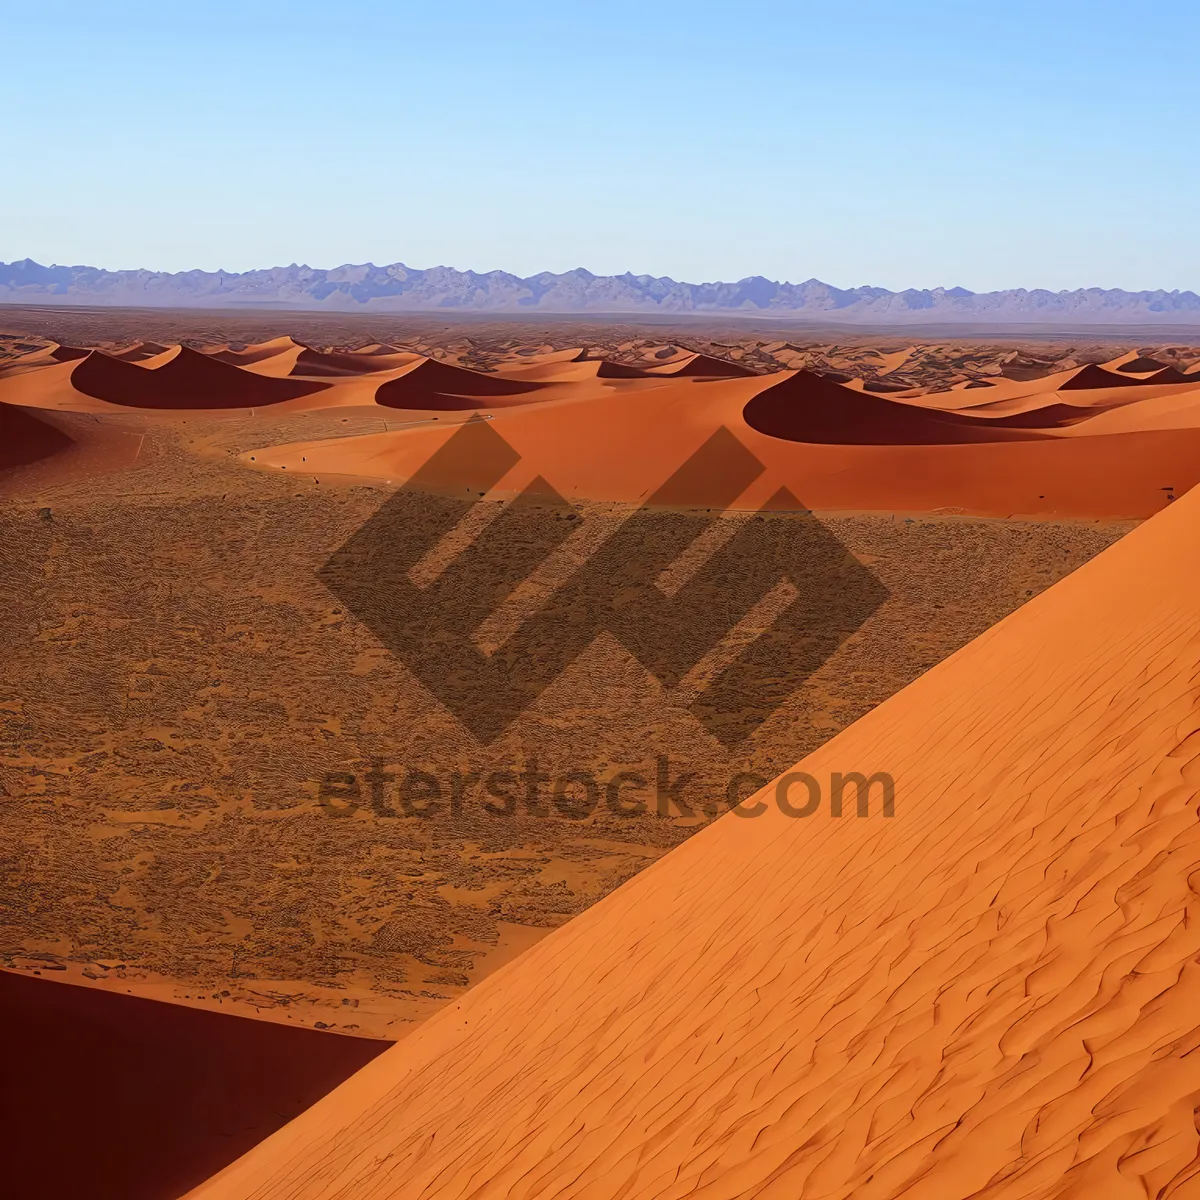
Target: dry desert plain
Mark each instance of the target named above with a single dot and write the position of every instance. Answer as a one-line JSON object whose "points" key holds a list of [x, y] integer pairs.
{"points": [[326, 639]]}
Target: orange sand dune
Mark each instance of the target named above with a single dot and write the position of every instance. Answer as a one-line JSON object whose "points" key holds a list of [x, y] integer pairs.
{"points": [[562, 366], [52, 353], [190, 380], [701, 366], [1095, 388], [893, 362], [141, 352], [544, 358], [1171, 375], [255, 353], [1139, 364], [806, 407], [1179, 408], [46, 356], [991, 993], [621, 445], [1123, 360], [49, 387], [314, 363], [25, 438], [39, 450], [181, 380], [274, 358], [429, 384], [574, 371], [617, 370], [1093, 376], [164, 356]]}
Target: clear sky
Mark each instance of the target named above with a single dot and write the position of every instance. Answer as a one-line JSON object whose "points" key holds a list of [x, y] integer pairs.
{"points": [[981, 143]]}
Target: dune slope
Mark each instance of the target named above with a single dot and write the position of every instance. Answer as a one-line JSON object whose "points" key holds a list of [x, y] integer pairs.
{"points": [[807, 408], [190, 380], [25, 438], [431, 385], [991, 994]]}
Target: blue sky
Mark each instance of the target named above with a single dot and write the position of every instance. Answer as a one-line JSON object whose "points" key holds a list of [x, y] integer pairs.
{"points": [[982, 143]]}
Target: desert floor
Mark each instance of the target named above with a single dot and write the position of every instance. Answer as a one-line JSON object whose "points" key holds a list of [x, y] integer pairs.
{"points": [[206, 738]]}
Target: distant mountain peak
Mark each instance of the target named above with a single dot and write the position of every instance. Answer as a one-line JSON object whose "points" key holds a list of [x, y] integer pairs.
{"points": [[396, 287]]}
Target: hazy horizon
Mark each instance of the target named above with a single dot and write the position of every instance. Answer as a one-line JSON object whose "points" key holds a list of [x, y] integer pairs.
{"points": [[934, 145]]}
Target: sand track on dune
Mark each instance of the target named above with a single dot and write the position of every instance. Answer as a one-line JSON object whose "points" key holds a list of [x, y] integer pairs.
{"points": [[991, 993]]}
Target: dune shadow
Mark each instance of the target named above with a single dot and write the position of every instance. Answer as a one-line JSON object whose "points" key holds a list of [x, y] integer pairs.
{"points": [[436, 385], [190, 380], [812, 408], [26, 438], [120, 1098]]}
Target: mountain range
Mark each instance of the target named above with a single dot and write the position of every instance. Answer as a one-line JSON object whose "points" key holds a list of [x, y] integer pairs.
{"points": [[398, 288]]}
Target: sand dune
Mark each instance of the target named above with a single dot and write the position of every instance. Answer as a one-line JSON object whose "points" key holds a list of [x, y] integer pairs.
{"points": [[1081, 442], [429, 384], [565, 372], [190, 380], [808, 408], [1139, 364], [990, 994], [701, 366], [544, 357], [258, 352], [139, 352], [1093, 376], [316, 364], [52, 353], [621, 444], [25, 438], [46, 356], [40, 449], [1171, 375]]}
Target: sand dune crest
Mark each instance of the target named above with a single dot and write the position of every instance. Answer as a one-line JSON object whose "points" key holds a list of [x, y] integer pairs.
{"points": [[431, 385], [190, 380]]}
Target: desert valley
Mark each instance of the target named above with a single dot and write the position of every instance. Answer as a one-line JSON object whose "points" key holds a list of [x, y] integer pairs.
{"points": [[379, 689]]}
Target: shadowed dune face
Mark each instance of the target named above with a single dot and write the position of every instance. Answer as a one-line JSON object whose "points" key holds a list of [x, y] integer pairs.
{"points": [[1140, 366], [1170, 375], [616, 370], [810, 408], [153, 1097], [25, 438], [1093, 376], [702, 366], [256, 353], [314, 362], [188, 381], [434, 385], [68, 353]]}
